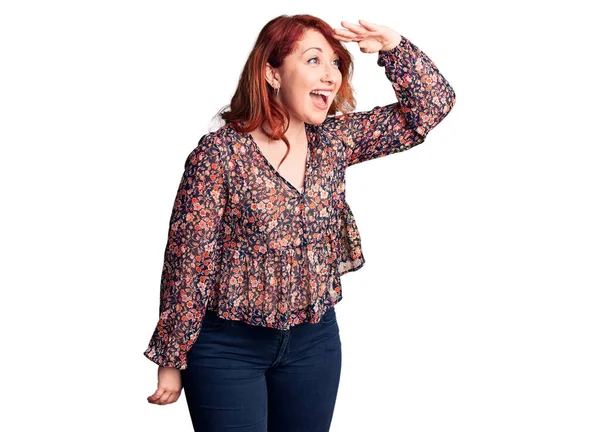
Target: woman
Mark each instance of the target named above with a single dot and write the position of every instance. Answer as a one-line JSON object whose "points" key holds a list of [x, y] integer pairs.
{"points": [[260, 231]]}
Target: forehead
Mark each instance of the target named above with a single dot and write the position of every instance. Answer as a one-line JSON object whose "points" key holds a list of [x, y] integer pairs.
{"points": [[313, 39]]}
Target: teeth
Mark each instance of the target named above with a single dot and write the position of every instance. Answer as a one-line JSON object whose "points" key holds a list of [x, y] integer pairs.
{"points": [[323, 93]]}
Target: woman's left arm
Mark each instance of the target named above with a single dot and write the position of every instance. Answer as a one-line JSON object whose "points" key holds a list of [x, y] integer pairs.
{"points": [[424, 98]]}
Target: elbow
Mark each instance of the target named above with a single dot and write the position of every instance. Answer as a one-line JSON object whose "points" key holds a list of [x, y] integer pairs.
{"points": [[451, 99], [428, 122]]}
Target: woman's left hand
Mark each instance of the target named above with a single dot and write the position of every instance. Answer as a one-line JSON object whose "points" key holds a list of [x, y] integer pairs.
{"points": [[370, 37]]}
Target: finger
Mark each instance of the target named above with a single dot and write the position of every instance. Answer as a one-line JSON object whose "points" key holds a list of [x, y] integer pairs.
{"points": [[168, 399], [371, 27], [157, 394], [173, 398], [345, 33], [349, 37], [343, 39], [164, 398], [346, 39], [355, 28]]}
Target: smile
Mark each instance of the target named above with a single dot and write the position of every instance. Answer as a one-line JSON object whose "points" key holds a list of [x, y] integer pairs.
{"points": [[319, 100]]}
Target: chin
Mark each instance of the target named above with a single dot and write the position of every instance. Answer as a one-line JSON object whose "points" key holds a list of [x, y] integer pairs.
{"points": [[318, 117], [316, 121]]}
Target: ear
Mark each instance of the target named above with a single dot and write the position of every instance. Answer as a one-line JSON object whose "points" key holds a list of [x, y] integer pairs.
{"points": [[272, 76]]}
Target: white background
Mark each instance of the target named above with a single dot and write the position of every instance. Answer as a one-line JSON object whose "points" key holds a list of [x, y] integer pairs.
{"points": [[477, 308]]}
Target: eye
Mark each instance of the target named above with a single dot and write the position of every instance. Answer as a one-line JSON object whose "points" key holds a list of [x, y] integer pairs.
{"points": [[339, 62]]}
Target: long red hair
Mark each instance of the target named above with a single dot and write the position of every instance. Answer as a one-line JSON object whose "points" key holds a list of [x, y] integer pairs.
{"points": [[254, 102]]}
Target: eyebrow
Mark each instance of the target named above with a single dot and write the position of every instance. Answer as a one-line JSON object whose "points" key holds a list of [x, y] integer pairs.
{"points": [[317, 48]]}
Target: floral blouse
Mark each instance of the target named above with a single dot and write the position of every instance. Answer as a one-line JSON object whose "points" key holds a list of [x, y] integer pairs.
{"points": [[244, 242]]}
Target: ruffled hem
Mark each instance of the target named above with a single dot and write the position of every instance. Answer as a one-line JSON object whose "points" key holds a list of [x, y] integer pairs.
{"points": [[309, 314], [277, 288]]}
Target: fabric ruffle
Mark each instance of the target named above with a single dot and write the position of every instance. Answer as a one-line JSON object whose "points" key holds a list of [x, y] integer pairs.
{"points": [[350, 255]]}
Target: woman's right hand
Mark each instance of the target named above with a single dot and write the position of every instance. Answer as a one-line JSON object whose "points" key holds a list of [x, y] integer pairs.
{"points": [[169, 386]]}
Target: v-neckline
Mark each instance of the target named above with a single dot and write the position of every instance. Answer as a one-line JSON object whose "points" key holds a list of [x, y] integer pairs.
{"points": [[307, 166]]}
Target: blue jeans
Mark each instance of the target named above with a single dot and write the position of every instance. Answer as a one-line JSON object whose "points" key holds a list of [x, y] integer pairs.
{"points": [[247, 378]]}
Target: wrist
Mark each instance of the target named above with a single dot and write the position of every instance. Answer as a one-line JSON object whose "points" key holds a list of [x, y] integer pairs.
{"points": [[395, 42]]}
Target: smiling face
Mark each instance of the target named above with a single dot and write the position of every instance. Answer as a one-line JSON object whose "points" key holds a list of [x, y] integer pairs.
{"points": [[311, 67]]}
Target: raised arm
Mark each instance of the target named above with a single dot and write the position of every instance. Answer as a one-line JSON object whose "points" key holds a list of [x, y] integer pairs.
{"points": [[424, 98], [192, 256]]}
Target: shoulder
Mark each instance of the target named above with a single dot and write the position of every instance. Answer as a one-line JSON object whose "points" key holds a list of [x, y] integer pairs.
{"points": [[333, 127], [213, 147]]}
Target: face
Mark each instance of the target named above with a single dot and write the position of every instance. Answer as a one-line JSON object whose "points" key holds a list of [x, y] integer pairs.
{"points": [[312, 66]]}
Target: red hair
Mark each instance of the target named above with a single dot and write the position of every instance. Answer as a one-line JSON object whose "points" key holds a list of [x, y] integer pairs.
{"points": [[254, 101]]}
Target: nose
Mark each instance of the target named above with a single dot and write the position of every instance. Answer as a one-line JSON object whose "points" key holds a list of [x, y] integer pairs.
{"points": [[327, 77], [330, 71]]}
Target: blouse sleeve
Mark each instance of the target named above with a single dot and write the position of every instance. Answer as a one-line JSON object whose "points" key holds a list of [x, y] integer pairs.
{"points": [[424, 98], [191, 257]]}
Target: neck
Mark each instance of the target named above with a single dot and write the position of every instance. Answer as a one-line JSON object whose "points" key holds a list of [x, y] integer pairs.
{"points": [[296, 132]]}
